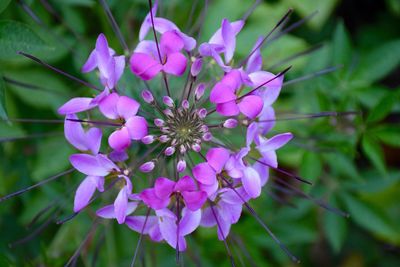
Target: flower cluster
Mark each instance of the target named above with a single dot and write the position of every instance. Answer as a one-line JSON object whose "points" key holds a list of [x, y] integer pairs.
{"points": [[211, 181]]}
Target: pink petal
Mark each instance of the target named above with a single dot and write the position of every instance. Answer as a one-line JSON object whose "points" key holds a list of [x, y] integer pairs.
{"points": [[251, 182], [108, 106], [106, 212], [186, 183], [176, 64], [93, 139], [121, 205], [251, 106], [137, 127], [194, 200], [74, 132], [204, 173], [271, 89], [189, 222], [75, 105], [163, 187], [275, 142], [150, 198], [144, 66], [228, 109], [170, 43], [120, 140], [127, 107], [217, 157], [91, 62], [233, 79], [229, 39], [84, 193], [222, 93], [209, 189], [92, 165], [136, 223]]}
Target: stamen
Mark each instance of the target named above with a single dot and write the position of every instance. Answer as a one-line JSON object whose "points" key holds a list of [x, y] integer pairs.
{"points": [[52, 178], [140, 239], [60, 71], [316, 116], [312, 75]]}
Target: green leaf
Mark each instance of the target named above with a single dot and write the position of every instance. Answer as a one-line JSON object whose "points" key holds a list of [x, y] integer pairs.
{"points": [[311, 166], [335, 228], [388, 134], [383, 108], [374, 152], [378, 63], [367, 217], [4, 4], [3, 113], [16, 36], [341, 45]]}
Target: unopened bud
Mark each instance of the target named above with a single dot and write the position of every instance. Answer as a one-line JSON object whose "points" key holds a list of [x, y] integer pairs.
{"points": [[196, 67], [148, 139], [196, 147], [168, 101], [147, 96], [164, 138], [207, 136], [169, 151], [147, 167], [168, 112], [199, 92], [181, 166], [230, 123], [159, 122], [185, 104], [202, 113], [182, 149]]}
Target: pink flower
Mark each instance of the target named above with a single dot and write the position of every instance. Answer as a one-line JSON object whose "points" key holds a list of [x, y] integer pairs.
{"points": [[159, 196]]}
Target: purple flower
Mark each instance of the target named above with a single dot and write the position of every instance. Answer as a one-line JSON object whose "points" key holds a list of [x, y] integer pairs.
{"points": [[225, 212], [224, 96], [159, 196], [145, 61], [110, 66], [124, 108], [223, 41], [162, 25], [206, 172], [165, 226], [122, 207]]}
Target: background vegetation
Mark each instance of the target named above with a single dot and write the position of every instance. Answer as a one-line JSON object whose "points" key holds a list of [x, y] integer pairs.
{"points": [[353, 161]]}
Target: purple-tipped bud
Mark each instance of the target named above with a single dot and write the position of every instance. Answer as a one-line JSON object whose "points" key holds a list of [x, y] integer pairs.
{"points": [[174, 141], [196, 67], [148, 139], [147, 96], [202, 113], [182, 149], [159, 122], [230, 123], [204, 128], [169, 151], [185, 104], [163, 138], [181, 166], [168, 101], [147, 166], [199, 92], [196, 147], [168, 112], [207, 136]]}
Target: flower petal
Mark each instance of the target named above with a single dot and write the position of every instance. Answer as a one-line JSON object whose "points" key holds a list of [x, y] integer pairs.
{"points": [[97, 165], [75, 105], [119, 140], [186, 183], [189, 221], [194, 200], [137, 127], [127, 107], [204, 173], [222, 93], [84, 193], [251, 106], [121, 205], [228, 109], [163, 187], [91, 62], [251, 182], [170, 42], [108, 106], [217, 157], [150, 198], [176, 64], [144, 66]]}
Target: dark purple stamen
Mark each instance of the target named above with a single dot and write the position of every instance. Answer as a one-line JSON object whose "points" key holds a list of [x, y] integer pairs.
{"points": [[140, 239], [312, 75]]}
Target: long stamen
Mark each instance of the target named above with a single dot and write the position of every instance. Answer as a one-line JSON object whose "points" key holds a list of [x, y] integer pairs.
{"points": [[52, 178], [251, 10], [312, 75], [59, 71], [27, 137], [140, 239], [114, 26], [315, 116], [283, 19], [158, 47], [266, 228], [30, 86]]}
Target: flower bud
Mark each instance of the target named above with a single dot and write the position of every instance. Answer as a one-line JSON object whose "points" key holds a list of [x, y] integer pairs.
{"points": [[196, 67], [182, 149], [230, 123], [185, 104], [202, 113], [169, 151], [196, 147], [164, 138], [168, 101], [147, 96], [159, 122], [207, 136], [181, 166], [147, 166], [168, 112], [148, 139], [204, 128], [199, 92]]}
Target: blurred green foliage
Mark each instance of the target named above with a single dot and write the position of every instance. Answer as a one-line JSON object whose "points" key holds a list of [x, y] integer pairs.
{"points": [[352, 160]]}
